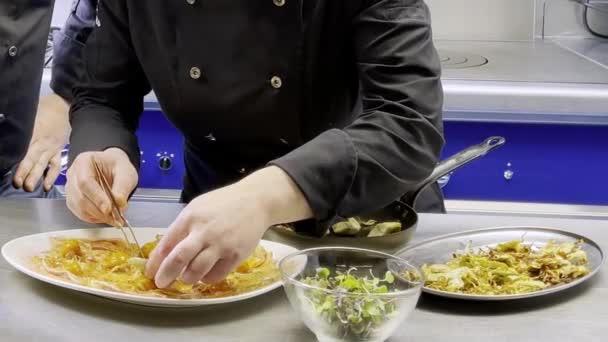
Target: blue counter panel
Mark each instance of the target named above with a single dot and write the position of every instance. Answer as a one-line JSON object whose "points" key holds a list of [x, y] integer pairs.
{"points": [[549, 163], [157, 138]]}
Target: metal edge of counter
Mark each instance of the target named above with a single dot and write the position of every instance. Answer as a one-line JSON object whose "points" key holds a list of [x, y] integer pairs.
{"points": [[527, 209], [526, 102], [452, 206], [522, 102]]}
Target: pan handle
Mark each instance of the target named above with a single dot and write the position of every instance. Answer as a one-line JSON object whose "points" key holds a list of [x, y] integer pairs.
{"points": [[454, 162]]}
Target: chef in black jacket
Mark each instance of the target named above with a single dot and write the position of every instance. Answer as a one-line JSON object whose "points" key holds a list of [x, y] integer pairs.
{"points": [[24, 27], [52, 129], [291, 110], [35, 173]]}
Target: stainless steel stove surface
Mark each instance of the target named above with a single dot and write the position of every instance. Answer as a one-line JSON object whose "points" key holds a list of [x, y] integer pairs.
{"points": [[457, 60], [540, 61], [594, 49]]}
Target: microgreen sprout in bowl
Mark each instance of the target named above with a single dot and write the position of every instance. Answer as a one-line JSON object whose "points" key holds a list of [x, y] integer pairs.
{"points": [[350, 294]]}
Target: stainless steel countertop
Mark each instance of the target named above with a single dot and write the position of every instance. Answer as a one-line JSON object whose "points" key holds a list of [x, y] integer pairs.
{"points": [[33, 311], [528, 61], [593, 49]]}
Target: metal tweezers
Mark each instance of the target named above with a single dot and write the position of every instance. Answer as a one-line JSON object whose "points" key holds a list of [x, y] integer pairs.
{"points": [[116, 213]]}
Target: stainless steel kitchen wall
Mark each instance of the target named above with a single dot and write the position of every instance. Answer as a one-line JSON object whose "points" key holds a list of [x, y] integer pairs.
{"points": [[564, 19], [483, 19], [514, 19]]}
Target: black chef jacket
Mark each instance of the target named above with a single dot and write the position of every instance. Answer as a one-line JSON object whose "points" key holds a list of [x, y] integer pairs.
{"points": [[344, 95], [68, 46], [24, 27]]}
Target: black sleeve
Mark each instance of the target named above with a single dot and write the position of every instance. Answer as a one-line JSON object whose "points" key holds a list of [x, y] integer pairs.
{"points": [[396, 140], [108, 101], [68, 46]]}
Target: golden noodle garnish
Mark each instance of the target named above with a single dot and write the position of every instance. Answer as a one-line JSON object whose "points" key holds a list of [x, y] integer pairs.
{"points": [[112, 265]]}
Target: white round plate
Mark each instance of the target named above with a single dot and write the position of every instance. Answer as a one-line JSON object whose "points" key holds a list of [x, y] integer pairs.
{"points": [[19, 253]]}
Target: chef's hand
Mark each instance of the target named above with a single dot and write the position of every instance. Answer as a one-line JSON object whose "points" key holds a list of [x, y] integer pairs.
{"points": [[51, 132], [85, 196], [219, 230]]}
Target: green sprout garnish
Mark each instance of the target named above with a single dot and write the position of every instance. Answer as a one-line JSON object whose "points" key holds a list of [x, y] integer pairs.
{"points": [[351, 309]]}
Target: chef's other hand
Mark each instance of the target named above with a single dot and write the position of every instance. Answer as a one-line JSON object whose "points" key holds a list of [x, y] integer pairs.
{"points": [[219, 230], [86, 197], [51, 132]]}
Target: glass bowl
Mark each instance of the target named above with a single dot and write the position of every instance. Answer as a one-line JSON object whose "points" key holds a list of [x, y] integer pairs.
{"points": [[350, 294]]}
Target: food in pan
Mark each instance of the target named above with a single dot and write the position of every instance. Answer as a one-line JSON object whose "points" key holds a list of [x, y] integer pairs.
{"points": [[114, 265], [358, 227], [355, 226], [509, 268]]}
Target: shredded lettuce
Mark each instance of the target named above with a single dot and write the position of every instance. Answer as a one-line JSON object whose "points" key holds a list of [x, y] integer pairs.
{"points": [[511, 267]]}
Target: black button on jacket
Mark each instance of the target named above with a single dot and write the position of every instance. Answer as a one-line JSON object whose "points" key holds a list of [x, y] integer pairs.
{"points": [[24, 27], [344, 95]]}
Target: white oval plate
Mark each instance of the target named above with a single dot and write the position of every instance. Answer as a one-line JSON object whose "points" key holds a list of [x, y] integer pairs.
{"points": [[19, 253]]}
